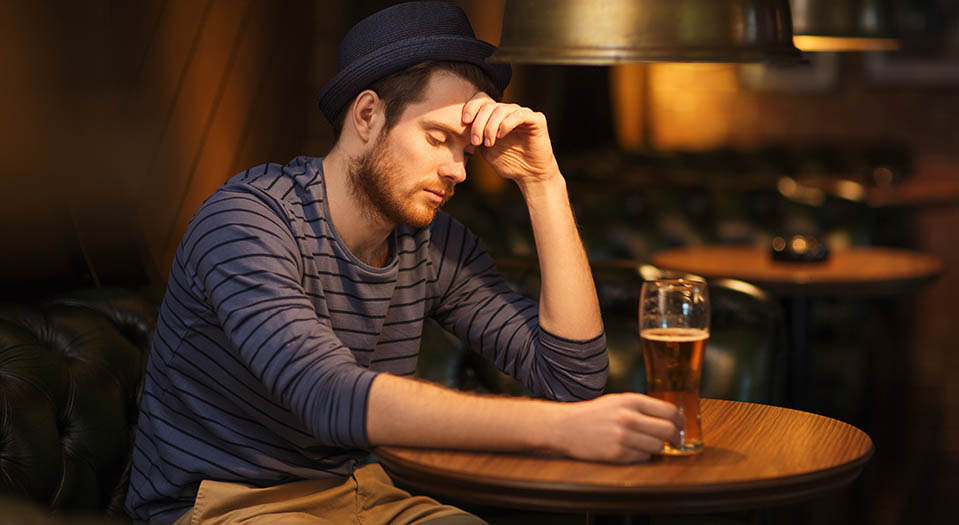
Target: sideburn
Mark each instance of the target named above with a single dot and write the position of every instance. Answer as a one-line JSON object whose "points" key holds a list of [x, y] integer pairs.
{"points": [[366, 185]]}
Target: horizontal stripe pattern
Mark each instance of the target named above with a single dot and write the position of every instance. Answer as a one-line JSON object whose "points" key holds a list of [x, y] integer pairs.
{"points": [[271, 333]]}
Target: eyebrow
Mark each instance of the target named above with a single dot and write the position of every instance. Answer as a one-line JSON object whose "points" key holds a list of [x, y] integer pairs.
{"points": [[445, 127]]}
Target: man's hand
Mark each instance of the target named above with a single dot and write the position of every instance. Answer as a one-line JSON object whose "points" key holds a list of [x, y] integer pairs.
{"points": [[618, 428], [513, 139]]}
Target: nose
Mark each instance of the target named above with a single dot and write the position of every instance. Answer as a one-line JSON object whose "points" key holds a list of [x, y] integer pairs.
{"points": [[455, 170]]}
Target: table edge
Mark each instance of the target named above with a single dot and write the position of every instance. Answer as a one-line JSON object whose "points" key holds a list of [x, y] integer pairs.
{"points": [[656, 498], [624, 489]]}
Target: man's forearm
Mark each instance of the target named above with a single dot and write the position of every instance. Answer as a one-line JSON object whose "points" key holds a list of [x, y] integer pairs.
{"points": [[568, 304], [615, 427], [409, 412]]}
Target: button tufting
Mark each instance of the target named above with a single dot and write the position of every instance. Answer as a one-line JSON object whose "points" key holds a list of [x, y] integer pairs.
{"points": [[70, 371]]}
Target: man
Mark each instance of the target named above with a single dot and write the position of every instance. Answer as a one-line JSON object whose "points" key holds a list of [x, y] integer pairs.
{"points": [[296, 301]]}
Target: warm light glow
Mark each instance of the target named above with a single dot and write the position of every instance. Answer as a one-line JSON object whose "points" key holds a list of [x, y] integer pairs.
{"points": [[690, 105], [485, 178], [627, 85], [850, 190], [487, 21], [832, 43]]}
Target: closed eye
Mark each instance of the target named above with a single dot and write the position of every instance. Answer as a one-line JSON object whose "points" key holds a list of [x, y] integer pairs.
{"points": [[438, 136]]}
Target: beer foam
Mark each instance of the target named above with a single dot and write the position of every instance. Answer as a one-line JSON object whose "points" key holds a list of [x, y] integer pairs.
{"points": [[674, 335]]}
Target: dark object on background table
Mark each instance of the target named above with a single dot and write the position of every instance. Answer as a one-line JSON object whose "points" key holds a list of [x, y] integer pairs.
{"points": [[799, 248]]}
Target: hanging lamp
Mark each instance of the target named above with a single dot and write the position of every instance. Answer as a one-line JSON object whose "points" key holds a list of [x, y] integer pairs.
{"points": [[602, 32], [844, 25]]}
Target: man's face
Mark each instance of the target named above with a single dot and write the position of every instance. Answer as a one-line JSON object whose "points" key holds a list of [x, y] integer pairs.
{"points": [[410, 170]]}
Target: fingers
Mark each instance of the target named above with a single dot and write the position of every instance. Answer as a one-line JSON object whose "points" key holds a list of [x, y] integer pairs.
{"points": [[492, 130], [658, 429], [472, 106], [639, 438], [486, 124], [478, 135], [514, 119], [654, 417], [645, 444], [491, 120], [656, 408]]}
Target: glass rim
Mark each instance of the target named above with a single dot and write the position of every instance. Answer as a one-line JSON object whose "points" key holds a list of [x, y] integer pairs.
{"points": [[677, 280]]}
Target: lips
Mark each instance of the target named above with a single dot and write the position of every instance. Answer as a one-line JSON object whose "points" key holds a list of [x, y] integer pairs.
{"points": [[439, 194]]}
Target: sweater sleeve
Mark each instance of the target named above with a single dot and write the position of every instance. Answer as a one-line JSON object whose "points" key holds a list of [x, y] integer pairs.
{"points": [[475, 303], [247, 265]]}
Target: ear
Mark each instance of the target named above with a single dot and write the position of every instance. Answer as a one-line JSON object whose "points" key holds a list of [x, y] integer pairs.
{"points": [[366, 114]]}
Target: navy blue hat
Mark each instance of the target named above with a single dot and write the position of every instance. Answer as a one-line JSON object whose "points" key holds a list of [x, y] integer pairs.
{"points": [[402, 36]]}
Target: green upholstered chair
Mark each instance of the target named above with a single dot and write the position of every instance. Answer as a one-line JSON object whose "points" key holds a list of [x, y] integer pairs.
{"points": [[747, 337]]}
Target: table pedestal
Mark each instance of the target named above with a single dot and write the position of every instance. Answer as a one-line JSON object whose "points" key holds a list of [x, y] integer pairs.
{"points": [[797, 386]]}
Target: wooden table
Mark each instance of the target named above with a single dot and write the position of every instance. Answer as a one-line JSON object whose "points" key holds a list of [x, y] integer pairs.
{"points": [[755, 456], [853, 272], [916, 192], [920, 191]]}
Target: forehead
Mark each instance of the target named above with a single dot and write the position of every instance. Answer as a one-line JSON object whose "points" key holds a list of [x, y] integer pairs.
{"points": [[443, 99]]}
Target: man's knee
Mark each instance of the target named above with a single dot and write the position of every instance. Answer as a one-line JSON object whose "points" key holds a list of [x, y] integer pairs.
{"points": [[456, 519]]}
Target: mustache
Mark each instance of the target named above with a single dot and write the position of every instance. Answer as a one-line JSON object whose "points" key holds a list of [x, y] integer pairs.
{"points": [[446, 189]]}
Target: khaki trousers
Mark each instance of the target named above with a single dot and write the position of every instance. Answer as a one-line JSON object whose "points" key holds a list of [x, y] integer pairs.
{"points": [[367, 498]]}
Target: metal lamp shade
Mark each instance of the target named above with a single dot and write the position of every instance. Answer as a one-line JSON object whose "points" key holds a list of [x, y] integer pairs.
{"points": [[844, 25], [620, 31]]}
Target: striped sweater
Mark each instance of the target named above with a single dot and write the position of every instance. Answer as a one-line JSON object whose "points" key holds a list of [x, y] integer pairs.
{"points": [[271, 333]]}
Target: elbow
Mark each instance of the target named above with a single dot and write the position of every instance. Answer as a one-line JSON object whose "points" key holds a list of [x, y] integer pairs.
{"points": [[338, 405]]}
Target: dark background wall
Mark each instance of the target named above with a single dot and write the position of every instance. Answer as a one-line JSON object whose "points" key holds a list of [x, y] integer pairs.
{"points": [[118, 118]]}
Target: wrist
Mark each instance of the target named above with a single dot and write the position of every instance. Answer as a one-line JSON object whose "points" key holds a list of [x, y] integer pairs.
{"points": [[553, 184], [549, 434]]}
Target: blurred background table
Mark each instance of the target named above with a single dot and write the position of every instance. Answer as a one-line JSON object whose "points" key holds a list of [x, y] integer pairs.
{"points": [[857, 271], [854, 271], [756, 456]]}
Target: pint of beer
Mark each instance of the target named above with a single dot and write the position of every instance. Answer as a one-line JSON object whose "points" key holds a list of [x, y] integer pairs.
{"points": [[674, 329]]}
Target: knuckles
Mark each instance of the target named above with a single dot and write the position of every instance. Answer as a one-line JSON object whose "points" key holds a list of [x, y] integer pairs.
{"points": [[624, 418]]}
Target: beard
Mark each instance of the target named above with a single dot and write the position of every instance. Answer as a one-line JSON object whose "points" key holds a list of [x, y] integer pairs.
{"points": [[377, 185]]}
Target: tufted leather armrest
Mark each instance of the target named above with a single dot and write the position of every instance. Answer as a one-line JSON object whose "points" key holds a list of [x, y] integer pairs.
{"points": [[71, 369]]}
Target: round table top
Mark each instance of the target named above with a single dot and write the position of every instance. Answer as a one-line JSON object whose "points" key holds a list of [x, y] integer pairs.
{"points": [[854, 271], [920, 191], [755, 456]]}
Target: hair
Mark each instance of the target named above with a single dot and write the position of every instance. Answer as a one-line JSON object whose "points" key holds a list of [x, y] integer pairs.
{"points": [[406, 86]]}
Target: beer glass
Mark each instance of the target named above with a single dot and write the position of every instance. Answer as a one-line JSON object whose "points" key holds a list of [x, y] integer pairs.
{"points": [[674, 328]]}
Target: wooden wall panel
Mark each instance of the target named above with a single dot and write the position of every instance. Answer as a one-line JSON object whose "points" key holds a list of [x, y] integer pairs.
{"points": [[156, 88], [36, 232], [199, 92], [205, 72], [229, 117], [118, 118]]}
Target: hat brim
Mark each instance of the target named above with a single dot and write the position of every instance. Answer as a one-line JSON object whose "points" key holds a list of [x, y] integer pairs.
{"points": [[361, 73]]}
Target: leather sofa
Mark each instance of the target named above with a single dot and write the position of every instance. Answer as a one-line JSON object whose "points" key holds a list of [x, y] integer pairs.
{"points": [[71, 367]]}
